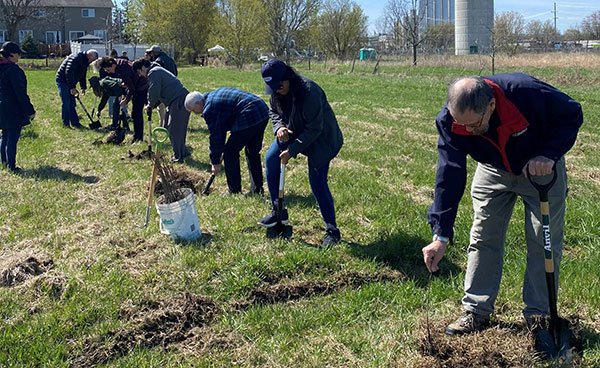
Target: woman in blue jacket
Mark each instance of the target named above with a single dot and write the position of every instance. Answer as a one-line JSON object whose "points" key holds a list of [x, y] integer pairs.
{"points": [[303, 122], [16, 110]]}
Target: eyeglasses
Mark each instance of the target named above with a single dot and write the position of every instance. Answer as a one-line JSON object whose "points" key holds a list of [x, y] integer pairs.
{"points": [[473, 125]]}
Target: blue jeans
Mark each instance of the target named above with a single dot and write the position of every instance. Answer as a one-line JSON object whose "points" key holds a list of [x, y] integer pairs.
{"points": [[8, 146], [317, 178], [69, 115]]}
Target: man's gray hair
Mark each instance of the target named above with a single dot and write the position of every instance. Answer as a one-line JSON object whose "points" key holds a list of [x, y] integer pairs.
{"points": [[470, 93], [92, 52], [192, 98]]}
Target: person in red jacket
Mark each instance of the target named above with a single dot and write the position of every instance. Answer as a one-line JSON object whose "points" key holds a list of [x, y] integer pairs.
{"points": [[16, 110], [513, 125], [136, 88]]}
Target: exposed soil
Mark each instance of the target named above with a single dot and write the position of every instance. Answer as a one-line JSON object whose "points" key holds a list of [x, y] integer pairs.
{"points": [[168, 324], [295, 290], [144, 155], [184, 178], [115, 137], [502, 345], [21, 271]]}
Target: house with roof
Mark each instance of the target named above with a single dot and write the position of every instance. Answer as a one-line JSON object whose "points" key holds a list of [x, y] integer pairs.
{"points": [[63, 21]]}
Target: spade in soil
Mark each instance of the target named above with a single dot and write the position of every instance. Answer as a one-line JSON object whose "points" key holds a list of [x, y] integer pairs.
{"points": [[280, 229]]}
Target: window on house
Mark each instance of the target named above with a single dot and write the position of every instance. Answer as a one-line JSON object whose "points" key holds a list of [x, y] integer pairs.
{"points": [[73, 35], [39, 13], [88, 13], [100, 33], [52, 37], [3, 35], [22, 34], [473, 50]]}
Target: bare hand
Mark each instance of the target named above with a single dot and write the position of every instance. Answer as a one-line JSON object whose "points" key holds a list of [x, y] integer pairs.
{"points": [[74, 91], [283, 134], [123, 103], [215, 169], [285, 157], [538, 166], [82, 92], [433, 254], [147, 108]]}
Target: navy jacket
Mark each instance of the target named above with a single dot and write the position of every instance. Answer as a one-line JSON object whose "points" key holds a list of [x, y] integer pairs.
{"points": [[316, 131], [15, 106], [230, 109], [166, 62], [72, 70], [531, 118]]}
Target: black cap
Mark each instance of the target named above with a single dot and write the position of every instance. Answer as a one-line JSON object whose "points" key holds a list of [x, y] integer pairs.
{"points": [[273, 73], [11, 47]]}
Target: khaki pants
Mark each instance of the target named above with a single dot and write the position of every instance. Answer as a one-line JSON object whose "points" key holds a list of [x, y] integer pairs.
{"points": [[494, 194], [161, 113]]}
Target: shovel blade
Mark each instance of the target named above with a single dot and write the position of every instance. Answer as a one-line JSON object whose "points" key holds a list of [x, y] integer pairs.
{"points": [[548, 346], [95, 125], [280, 230]]}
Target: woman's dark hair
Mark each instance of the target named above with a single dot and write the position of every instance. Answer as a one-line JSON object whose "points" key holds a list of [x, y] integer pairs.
{"points": [[139, 63], [113, 53], [297, 86], [107, 62]]}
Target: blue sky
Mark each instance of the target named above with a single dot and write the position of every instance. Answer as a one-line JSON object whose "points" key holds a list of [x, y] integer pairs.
{"points": [[570, 12]]}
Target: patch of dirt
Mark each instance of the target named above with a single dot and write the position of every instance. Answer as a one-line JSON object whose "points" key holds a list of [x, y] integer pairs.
{"points": [[115, 137], [20, 271], [168, 324], [501, 346], [144, 155], [201, 341], [184, 178], [283, 292]]}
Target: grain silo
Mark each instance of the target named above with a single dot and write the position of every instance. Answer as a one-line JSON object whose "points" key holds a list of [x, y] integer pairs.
{"points": [[474, 20]]}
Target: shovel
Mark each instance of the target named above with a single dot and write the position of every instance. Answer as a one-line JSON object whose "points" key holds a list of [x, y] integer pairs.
{"points": [[280, 229], [94, 124], [159, 135], [206, 190], [149, 113], [552, 340]]}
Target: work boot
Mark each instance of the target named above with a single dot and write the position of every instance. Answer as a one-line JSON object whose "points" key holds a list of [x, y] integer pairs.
{"points": [[270, 220], [467, 323], [332, 237]]}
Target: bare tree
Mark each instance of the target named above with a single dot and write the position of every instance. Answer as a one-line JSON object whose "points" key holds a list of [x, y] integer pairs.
{"points": [[285, 19], [391, 23], [541, 34], [343, 28], [590, 27], [404, 19], [14, 12], [508, 29]]}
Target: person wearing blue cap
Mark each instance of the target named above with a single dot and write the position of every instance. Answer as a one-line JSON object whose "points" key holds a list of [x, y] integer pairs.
{"points": [[16, 110], [303, 122]]}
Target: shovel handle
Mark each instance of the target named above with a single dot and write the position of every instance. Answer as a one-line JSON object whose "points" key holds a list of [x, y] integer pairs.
{"points": [[542, 188], [206, 190]]}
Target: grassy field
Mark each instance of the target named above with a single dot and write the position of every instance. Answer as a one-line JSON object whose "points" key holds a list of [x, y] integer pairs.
{"points": [[107, 293]]}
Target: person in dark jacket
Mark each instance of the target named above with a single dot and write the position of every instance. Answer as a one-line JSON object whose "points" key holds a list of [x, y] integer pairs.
{"points": [[136, 89], [165, 88], [73, 70], [245, 116], [303, 122], [513, 125], [158, 56], [16, 110]]}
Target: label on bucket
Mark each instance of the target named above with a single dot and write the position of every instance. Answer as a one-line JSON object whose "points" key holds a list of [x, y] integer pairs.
{"points": [[168, 222]]}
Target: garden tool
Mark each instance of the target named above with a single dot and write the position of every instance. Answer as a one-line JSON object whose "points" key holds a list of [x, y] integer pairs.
{"points": [[159, 135], [149, 113], [206, 190], [94, 124], [552, 340], [280, 229]]}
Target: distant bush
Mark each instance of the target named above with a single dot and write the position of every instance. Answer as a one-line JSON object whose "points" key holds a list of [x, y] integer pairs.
{"points": [[30, 47]]}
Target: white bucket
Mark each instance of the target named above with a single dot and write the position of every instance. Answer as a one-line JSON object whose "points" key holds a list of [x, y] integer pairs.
{"points": [[180, 219]]}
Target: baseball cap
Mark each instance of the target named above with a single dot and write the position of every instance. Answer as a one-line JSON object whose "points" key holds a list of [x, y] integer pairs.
{"points": [[273, 73], [154, 48], [11, 47]]}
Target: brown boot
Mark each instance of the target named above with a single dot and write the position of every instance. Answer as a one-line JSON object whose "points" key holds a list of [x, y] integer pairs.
{"points": [[467, 323]]}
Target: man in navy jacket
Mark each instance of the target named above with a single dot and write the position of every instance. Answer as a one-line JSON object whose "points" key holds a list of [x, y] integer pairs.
{"points": [[73, 70], [512, 125]]}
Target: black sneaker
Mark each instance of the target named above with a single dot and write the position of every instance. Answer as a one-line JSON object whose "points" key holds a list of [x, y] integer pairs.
{"points": [[270, 220], [469, 322], [332, 236]]}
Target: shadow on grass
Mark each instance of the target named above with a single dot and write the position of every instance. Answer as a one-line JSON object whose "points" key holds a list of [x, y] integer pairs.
{"points": [[56, 174], [296, 200], [198, 165], [29, 134], [403, 253], [204, 241]]}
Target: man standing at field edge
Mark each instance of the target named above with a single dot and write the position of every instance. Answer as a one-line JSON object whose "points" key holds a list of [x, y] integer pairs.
{"points": [[510, 124]]}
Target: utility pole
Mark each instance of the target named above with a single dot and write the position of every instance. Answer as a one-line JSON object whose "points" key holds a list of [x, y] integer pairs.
{"points": [[555, 34]]}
